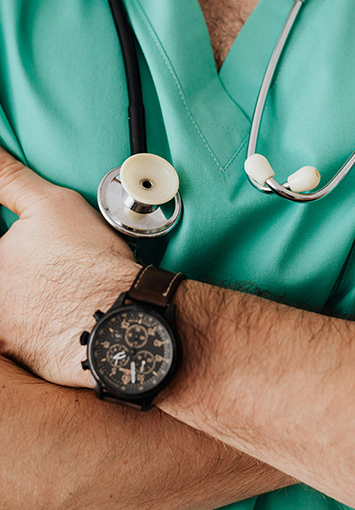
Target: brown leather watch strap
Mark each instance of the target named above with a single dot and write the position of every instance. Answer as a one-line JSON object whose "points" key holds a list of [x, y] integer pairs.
{"points": [[154, 286]]}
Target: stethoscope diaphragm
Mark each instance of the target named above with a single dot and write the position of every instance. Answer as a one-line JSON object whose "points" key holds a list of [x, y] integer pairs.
{"points": [[130, 196]]}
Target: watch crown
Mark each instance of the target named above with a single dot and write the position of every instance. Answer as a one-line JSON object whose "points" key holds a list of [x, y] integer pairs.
{"points": [[98, 315], [85, 365], [84, 337]]}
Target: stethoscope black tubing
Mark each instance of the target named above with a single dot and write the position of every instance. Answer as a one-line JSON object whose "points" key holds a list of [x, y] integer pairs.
{"points": [[136, 117]]}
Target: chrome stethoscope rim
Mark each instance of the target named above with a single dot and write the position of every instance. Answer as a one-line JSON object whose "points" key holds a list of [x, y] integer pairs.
{"points": [[112, 207]]}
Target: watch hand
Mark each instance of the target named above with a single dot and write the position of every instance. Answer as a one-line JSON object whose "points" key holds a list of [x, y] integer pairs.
{"points": [[142, 365], [119, 356], [133, 372]]}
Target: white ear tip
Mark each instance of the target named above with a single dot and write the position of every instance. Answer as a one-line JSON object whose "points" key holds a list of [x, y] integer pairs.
{"points": [[258, 168], [305, 179], [149, 179]]}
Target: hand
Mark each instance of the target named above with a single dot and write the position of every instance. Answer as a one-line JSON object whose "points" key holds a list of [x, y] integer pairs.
{"points": [[59, 263]]}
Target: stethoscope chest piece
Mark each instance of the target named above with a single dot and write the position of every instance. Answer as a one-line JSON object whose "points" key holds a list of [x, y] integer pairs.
{"points": [[130, 196]]}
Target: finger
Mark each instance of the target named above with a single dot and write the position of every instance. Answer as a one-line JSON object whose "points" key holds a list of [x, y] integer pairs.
{"points": [[20, 187]]}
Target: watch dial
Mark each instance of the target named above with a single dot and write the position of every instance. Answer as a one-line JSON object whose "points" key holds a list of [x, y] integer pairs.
{"points": [[131, 351]]}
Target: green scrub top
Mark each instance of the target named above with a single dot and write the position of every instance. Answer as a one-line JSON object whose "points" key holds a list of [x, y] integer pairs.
{"points": [[64, 113]]}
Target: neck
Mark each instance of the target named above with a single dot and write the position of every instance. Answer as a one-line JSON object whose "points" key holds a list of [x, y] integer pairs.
{"points": [[225, 19]]}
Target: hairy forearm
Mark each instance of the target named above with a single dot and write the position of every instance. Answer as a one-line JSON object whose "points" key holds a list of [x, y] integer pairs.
{"points": [[63, 449], [273, 381]]}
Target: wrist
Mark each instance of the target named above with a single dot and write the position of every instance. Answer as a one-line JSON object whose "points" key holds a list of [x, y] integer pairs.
{"points": [[133, 351], [200, 319], [115, 275]]}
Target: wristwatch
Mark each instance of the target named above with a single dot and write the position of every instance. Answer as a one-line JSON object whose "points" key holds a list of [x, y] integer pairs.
{"points": [[134, 350]]}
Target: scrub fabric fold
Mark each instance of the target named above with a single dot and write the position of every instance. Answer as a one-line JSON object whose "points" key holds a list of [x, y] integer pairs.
{"points": [[64, 113]]}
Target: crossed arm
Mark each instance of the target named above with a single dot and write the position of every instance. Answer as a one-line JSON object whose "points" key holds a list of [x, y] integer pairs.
{"points": [[61, 448], [270, 380], [274, 382]]}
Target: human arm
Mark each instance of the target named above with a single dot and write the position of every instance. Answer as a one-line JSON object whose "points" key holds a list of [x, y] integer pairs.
{"points": [[61, 447], [273, 381]]}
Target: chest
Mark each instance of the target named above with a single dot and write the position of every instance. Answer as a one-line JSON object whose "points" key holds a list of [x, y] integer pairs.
{"points": [[72, 123], [225, 19]]}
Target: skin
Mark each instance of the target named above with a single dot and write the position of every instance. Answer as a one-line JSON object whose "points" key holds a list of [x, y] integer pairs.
{"points": [[58, 264], [279, 387], [53, 278], [63, 449], [224, 20]]}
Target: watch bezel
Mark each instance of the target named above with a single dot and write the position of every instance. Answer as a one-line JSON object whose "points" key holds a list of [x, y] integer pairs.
{"points": [[176, 352]]}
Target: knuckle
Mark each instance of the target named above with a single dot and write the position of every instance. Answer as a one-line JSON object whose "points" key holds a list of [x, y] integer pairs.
{"points": [[67, 195]]}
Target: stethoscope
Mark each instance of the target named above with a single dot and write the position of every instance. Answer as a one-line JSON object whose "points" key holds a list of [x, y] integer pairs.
{"points": [[130, 196]]}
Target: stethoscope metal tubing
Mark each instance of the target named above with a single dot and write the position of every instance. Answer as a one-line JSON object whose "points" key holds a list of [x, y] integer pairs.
{"points": [[265, 86], [121, 210], [283, 192], [271, 185]]}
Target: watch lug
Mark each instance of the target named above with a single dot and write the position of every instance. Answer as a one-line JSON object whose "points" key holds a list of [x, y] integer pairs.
{"points": [[85, 365], [169, 313], [84, 338], [98, 315], [146, 404], [98, 389], [119, 301]]}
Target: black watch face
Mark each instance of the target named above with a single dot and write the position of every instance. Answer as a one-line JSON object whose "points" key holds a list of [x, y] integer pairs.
{"points": [[131, 351]]}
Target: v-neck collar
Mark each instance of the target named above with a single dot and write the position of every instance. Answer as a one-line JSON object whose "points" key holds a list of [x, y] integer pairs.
{"points": [[212, 100], [243, 69]]}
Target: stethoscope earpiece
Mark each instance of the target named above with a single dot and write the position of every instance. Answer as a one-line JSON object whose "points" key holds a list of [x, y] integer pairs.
{"points": [[305, 179], [259, 170], [130, 196]]}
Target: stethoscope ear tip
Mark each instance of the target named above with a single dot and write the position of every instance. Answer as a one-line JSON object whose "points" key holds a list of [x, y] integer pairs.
{"points": [[305, 179], [259, 169]]}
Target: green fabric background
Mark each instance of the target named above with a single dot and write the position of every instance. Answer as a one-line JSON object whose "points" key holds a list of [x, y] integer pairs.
{"points": [[63, 112]]}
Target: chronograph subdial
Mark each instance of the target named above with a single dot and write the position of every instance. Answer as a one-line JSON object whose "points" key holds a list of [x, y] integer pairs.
{"points": [[144, 362], [118, 355], [136, 336], [132, 354]]}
